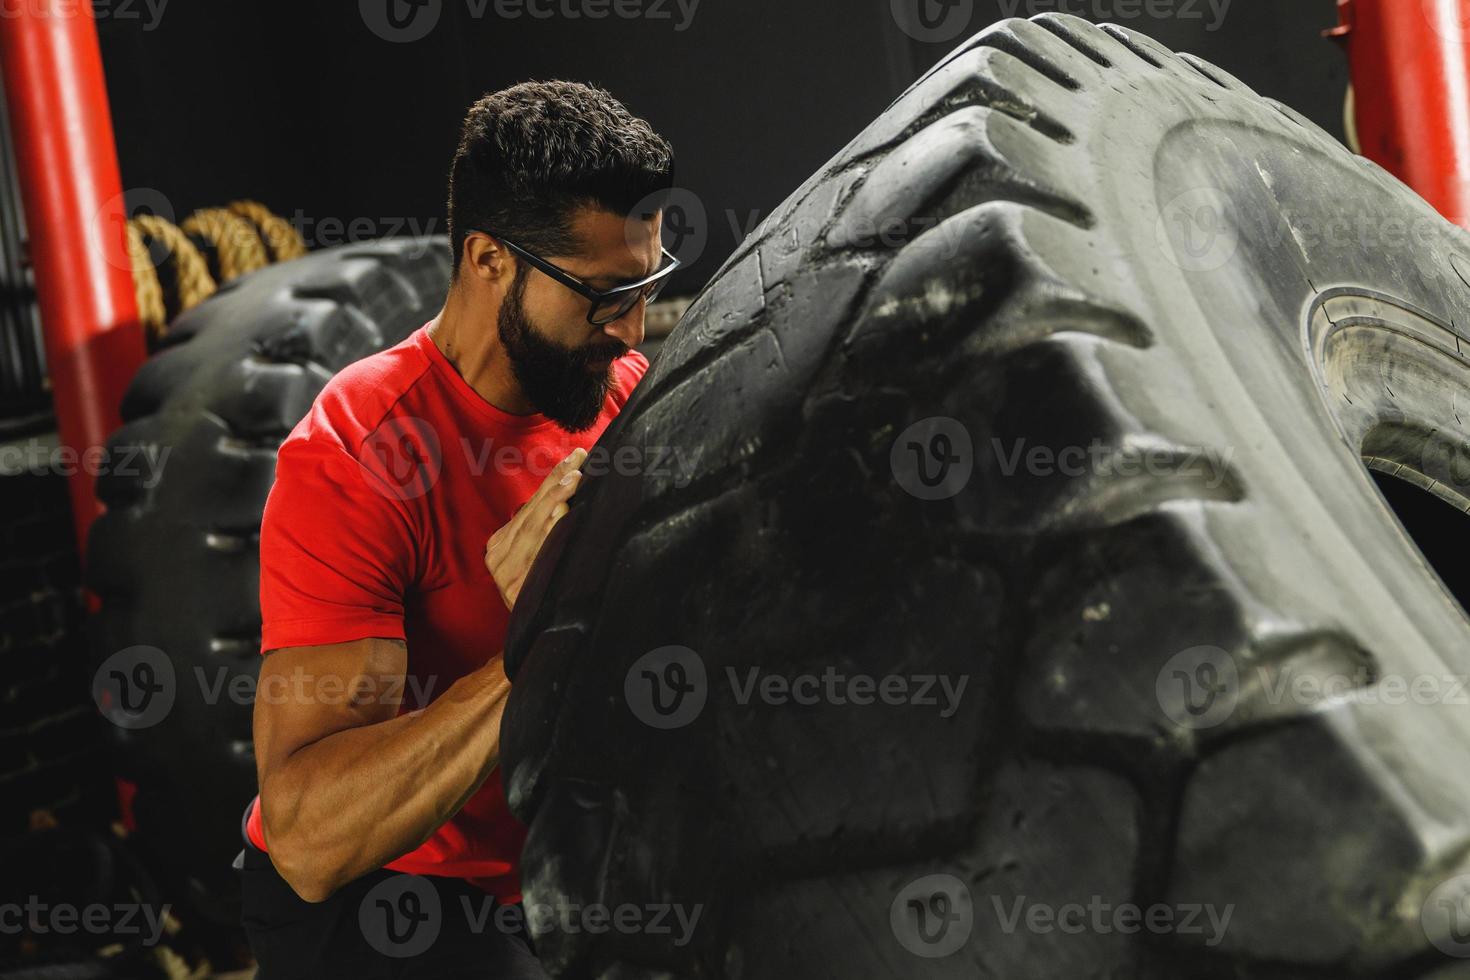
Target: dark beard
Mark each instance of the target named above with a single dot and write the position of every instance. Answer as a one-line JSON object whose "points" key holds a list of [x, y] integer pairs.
{"points": [[555, 379]]}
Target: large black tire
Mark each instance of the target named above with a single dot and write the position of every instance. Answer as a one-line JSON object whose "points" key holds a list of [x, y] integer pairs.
{"points": [[175, 559], [1017, 254]]}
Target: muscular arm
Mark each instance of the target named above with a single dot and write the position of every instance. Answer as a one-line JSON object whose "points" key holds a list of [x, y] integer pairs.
{"points": [[345, 786], [348, 785]]}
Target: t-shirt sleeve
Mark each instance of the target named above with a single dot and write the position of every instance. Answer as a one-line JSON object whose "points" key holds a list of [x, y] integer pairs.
{"points": [[336, 552]]}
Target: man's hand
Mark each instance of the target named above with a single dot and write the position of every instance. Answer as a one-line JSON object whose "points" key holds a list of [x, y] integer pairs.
{"points": [[511, 550]]}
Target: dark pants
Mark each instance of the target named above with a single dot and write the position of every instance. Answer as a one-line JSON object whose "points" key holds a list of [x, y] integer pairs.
{"points": [[383, 925]]}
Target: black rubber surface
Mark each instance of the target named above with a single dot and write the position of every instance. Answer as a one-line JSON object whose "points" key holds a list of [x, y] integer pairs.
{"points": [[1063, 238], [49, 736], [175, 558]]}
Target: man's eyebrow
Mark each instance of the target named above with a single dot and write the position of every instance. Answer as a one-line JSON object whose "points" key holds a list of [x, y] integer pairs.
{"points": [[608, 281]]}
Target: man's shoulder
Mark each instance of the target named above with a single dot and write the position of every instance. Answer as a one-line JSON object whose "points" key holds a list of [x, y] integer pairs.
{"points": [[355, 402]]}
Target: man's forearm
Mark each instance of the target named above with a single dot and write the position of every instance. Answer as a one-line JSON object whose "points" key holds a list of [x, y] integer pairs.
{"points": [[355, 800]]}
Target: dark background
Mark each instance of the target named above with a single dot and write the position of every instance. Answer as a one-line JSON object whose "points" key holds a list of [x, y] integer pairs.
{"points": [[303, 107]]}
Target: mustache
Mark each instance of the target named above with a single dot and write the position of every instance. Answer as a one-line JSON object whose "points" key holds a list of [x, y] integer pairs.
{"points": [[591, 354]]}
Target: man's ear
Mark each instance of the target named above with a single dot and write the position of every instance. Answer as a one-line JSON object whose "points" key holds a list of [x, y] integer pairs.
{"points": [[485, 259]]}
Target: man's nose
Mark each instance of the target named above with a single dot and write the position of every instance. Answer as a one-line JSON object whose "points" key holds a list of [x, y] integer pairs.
{"points": [[629, 327]]}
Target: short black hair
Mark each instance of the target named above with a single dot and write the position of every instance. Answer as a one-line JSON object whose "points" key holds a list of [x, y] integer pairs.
{"points": [[530, 155]]}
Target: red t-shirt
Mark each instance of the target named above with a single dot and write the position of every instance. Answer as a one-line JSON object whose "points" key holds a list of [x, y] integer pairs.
{"points": [[385, 495]]}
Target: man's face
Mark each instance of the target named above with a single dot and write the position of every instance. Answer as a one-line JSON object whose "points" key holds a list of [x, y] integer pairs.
{"points": [[562, 362]]}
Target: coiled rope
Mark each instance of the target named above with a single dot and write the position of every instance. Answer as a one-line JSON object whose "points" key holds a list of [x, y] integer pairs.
{"points": [[177, 270], [152, 311], [176, 267], [281, 238], [228, 239]]}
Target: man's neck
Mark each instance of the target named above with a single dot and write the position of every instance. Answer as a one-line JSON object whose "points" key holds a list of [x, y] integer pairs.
{"points": [[475, 351]]}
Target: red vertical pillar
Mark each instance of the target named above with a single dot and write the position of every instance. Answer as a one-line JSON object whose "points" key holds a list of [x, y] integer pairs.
{"points": [[76, 224], [1411, 81]]}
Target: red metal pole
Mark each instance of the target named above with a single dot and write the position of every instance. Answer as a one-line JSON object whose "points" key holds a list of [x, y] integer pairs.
{"points": [[1411, 82], [76, 224]]}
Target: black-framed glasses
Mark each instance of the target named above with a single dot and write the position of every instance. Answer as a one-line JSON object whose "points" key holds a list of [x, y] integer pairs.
{"points": [[607, 304]]}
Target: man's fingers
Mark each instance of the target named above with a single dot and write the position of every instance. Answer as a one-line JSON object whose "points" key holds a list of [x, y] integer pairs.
{"points": [[566, 486], [575, 459], [522, 550], [560, 472], [559, 485], [553, 482], [511, 550]]}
